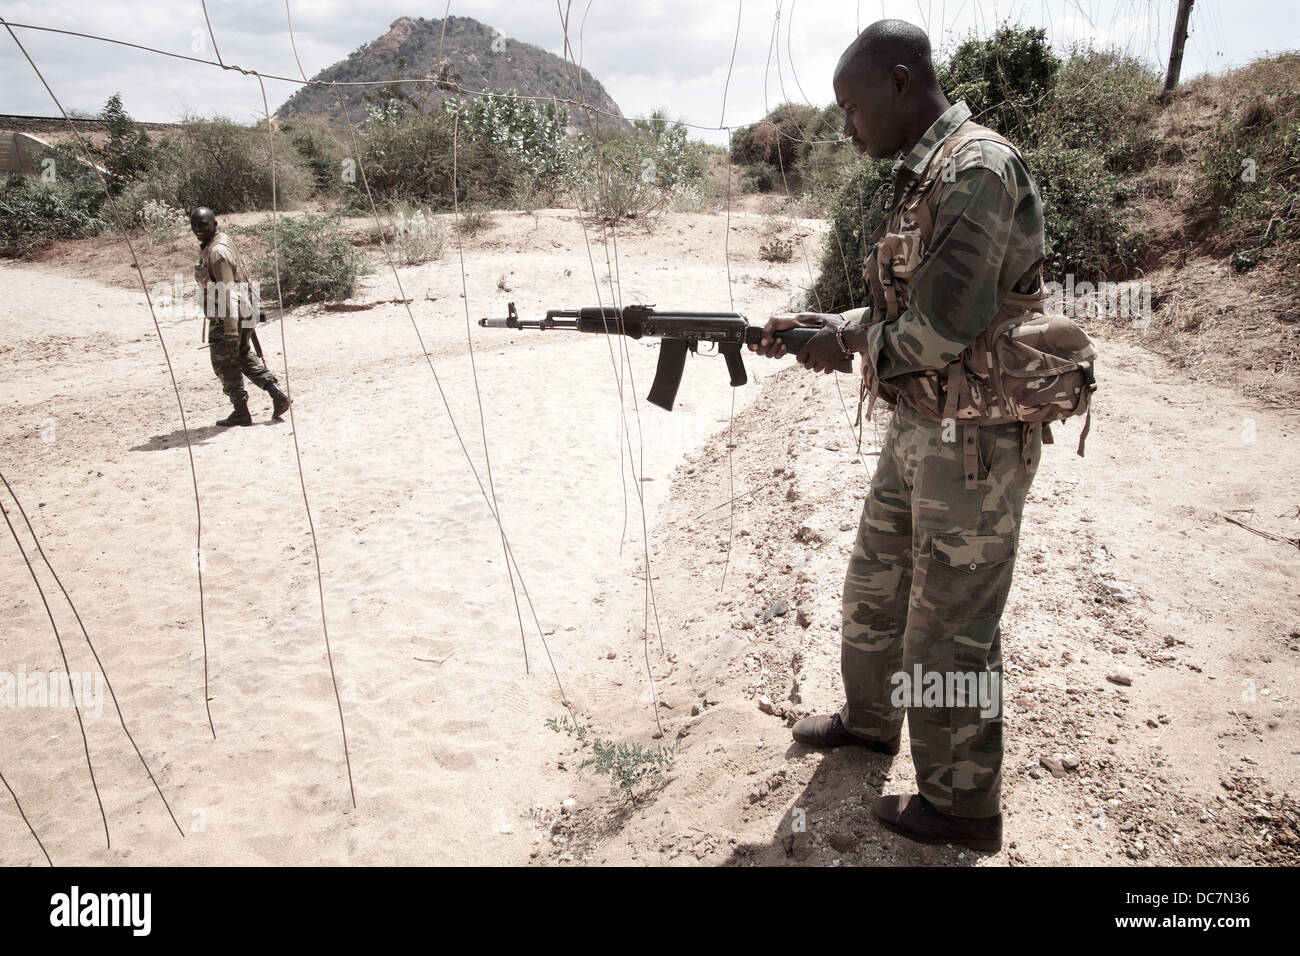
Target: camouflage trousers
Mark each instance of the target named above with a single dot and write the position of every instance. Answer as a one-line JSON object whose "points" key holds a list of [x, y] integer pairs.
{"points": [[923, 596], [233, 358]]}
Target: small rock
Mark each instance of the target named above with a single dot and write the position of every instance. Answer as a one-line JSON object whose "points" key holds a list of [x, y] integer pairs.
{"points": [[1119, 674], [779, 609], [695, 710], [1052, 766], [1070, 762], [765, 705], [807, 535], [612, 655], [847, 526], [568, 806]]}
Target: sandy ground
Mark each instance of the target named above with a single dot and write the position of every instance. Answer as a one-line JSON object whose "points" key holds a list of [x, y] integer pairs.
{"points": [[1124, 559]]}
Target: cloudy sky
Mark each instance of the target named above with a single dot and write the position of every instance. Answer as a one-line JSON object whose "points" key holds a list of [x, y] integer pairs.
{"points": [[651, 53]]}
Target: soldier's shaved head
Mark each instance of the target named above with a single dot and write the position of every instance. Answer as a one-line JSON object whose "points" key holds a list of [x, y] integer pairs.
{"points": [[886, 84], [887, 44], [203, 223]]}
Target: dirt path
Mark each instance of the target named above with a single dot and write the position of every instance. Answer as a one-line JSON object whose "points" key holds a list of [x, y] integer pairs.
{"points": [[1125, 562]]}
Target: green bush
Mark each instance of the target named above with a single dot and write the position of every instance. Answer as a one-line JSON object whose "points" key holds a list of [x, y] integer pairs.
{"points": [[1106, 100], [776, 138], [1250, 175], [34, 214], [614, 181], [759, 178], [226, 167], [502, 150], [796, 147], [1006, 79], [1086, 231], [316, 263], [322, 153], [860, 204]]}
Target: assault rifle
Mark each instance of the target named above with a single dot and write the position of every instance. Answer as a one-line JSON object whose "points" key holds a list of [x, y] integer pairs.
{"points": [[681, 332]]}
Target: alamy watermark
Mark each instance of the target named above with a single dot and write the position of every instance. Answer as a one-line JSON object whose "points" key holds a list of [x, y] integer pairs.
{"points": [[52, 689], [982, 689], [1115, 300], [217, 299]]}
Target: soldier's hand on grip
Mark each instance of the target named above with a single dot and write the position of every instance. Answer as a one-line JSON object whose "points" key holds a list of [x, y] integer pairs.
{"points": [[772, 347]]}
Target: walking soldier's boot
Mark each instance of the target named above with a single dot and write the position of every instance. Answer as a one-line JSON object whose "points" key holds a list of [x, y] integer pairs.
{"points": [[239, 416], [281, 402]]}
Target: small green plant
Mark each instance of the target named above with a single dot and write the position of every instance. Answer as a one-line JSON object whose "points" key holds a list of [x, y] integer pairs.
{"points": [[316, 263], [415, 234], [474, 219], [630, 766], [566, 726], [776, 250], [162, 223]]}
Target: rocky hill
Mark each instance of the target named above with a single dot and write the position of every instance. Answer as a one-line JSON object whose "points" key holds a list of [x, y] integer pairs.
{"points": [[482, 57]]}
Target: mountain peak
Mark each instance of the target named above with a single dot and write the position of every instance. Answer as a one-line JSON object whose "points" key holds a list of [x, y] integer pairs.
{"points": [[482, 57]]}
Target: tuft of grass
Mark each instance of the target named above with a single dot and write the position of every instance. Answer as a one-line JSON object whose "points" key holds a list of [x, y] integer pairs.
{"points": [[630, 766], [566, 726], [776, 250], [474, 219]]}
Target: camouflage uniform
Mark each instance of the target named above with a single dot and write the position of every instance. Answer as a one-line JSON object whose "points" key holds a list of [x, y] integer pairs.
{"points": [[936, 547], [224, 284]]}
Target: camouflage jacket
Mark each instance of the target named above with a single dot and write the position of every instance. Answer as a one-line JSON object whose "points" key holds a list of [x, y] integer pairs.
{"points": [[939, 282], [226, 293]]}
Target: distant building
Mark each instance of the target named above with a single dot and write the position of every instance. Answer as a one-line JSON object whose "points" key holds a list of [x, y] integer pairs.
{"points": [[20, 153]]}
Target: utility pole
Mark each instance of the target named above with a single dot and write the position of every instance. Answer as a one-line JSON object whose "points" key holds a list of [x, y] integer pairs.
{"points": [[1176, 51]]}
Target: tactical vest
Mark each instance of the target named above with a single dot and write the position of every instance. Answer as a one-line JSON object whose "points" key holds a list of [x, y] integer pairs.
{"points": [[1025, 366], [203, 275]]}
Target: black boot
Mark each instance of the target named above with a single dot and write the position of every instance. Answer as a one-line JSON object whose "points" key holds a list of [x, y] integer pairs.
{"points": [[917, 819], [239, 416], [281, 400]]}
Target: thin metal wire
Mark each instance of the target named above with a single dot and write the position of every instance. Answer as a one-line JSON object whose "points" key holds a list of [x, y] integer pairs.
{"points": [[171, 373], [25, 820], [72, 687], [91, 644], [473, 366], [293, 432], [388, 255], [609, 335]]}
